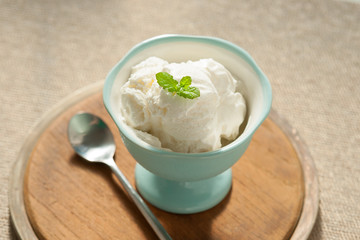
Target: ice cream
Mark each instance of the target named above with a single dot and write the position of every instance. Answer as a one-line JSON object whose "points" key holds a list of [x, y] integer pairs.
{"points": [[169, 121]]}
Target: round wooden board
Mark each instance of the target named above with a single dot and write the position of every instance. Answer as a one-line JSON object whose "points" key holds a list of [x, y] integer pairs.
{"points": [[69, 198]]}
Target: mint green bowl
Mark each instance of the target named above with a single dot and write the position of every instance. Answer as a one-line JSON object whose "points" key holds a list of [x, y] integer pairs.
{"points": [[189, 182]]}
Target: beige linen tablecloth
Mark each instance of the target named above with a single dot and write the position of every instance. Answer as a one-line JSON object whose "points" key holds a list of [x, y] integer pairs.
{"points": [[310, 51]]}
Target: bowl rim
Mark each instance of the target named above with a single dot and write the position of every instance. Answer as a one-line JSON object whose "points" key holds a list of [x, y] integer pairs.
{"points": [[166, 38]]}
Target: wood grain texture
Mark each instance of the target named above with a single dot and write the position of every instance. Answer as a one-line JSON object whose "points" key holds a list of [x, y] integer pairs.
{"points": [[69, 198]]}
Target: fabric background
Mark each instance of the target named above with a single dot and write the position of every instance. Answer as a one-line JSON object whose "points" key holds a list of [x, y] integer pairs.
{"points": [[310, 51]]}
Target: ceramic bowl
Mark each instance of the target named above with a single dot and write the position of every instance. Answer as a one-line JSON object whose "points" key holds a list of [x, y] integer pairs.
{"points": [[189, 182]]}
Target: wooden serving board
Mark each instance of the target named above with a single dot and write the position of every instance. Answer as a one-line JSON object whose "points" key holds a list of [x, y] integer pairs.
{"points": [[67, 197]]}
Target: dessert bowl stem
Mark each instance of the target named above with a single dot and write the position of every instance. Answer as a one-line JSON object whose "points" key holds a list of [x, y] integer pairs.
{"points": [[182, 197]]}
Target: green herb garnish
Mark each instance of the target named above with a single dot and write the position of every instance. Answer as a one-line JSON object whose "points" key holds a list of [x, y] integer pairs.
{"points": [[182, 88]]}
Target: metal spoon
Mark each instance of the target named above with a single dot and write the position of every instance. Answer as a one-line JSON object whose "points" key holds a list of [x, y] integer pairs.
{"points": [[92, 140]]}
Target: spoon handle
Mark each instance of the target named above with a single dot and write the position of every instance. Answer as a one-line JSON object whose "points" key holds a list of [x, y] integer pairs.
{"points": [[139, 202]]}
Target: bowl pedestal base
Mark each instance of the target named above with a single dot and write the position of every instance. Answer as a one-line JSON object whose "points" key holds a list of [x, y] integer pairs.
{"points": [[182, 197]]}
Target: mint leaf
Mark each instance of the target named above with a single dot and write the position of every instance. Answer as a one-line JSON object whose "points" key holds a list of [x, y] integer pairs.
{"points": [[189, 92], [185, 82], [167, 81], [183, 89]]}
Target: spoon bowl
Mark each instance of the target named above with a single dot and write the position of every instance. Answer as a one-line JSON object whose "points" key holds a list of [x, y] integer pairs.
{"points": [[91, 138]]}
